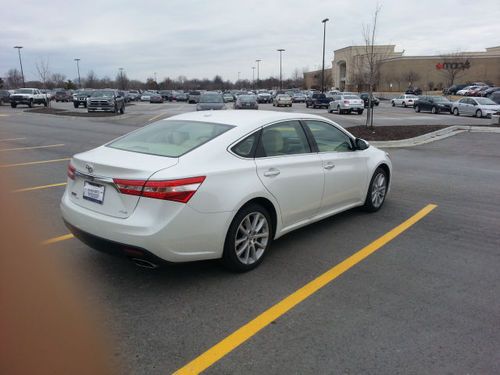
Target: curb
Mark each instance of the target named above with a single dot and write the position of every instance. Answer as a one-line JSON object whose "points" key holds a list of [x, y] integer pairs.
{"points": [[435, 136]]}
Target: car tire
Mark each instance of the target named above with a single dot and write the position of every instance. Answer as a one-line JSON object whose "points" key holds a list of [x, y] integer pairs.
{"points": [[417, 108], [455, 112], [360, 111], [393, 104], [404, 104], [75, 105], [307, 105], [377, 191], [434, 110], [339, 111], [479, 113], [122, 109], [254, 220], [13, 105], [30, 103], [45, 103]]}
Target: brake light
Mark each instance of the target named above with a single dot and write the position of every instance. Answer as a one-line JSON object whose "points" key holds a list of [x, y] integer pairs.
{"points": [[346, 101], [172, 190], [71, 171]]}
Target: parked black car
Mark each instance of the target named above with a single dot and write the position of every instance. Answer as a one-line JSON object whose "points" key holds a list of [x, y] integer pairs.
{"points": [[246, 102], [413, 91], [486, 93], [166, 95], [452, 90], [365, 96], [80, 98], [318, 100], [433, 104], [495, 97], [4, 96]]}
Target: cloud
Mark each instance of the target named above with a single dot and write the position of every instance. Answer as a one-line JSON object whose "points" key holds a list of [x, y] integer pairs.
{"points": [[200, 39]]}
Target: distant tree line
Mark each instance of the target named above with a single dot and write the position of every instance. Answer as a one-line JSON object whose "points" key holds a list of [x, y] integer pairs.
{"points": [[48, 80]]}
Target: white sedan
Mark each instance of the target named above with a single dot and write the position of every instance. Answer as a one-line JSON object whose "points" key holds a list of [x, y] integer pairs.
{"points": [[405, 100], [218, 185]]}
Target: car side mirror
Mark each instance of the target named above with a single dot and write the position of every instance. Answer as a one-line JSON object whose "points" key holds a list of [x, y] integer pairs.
{"points": [[361, 144]]}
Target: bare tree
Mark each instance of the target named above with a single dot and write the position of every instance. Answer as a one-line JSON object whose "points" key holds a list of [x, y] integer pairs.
{"points": [[122, 80], [411, 77], [43, 70], [91, 81], [453, 66], [58, 79], [14, 79], [372, 62]]}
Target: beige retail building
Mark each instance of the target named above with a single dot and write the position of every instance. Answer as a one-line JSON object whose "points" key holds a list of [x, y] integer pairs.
{"points": [[395, 72]]}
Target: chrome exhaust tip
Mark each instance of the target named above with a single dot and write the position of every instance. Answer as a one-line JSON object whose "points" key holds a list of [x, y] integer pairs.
{"points": [[144, 263]]}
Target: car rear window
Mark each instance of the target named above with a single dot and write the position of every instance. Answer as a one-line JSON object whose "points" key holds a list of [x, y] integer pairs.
{"points": [[170, 138]]}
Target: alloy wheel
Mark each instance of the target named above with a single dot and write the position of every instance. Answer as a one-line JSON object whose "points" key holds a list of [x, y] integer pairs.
{"points": [[379, 189], [251, 238]]}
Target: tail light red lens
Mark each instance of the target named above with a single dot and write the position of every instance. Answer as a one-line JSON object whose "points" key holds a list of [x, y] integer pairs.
{"points": [[71, 171], [346, 101], [173, 190]]}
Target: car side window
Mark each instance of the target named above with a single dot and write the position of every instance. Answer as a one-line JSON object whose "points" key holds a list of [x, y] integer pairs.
{"points": [[246, 147], [284, 138], [328, 138]]}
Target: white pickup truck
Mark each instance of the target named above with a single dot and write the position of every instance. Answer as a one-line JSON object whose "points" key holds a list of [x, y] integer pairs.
{"points": [[28, 97]]}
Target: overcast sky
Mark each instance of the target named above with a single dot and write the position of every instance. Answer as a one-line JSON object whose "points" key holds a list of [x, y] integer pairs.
{"points": [[199, 39]]}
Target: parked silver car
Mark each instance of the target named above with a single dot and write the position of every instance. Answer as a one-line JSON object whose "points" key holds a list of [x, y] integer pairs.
{"points": [[210, 101], [346, 104], [479, 107]]}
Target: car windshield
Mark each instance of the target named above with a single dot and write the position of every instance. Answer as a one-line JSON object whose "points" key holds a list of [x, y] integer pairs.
{"points": [[24, 91], [351, 97], [283, 97], [102, 94], [211, 98], [440, 99], [246, 98], [171, 138], [485, 101]]}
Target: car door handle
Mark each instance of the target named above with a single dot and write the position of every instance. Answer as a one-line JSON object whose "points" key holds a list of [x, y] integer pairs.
{"points": [[329, 165], [272, 172]]}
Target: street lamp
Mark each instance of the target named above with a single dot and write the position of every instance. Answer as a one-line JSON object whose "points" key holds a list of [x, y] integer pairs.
{"points": [[20, 62], [323, 69], [281, 50], [122, 83], [78, 69], [258, 63], [253, 76]]}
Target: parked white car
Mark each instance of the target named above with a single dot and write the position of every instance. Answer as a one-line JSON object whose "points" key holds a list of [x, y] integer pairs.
{"points": [[405, 100], [282, 100], [221, 184], [29, 97], [349, 103], [478, 107]]}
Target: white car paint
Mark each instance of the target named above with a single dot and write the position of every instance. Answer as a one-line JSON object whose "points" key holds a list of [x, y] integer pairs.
{"points": [[405, 100], [302, 188]]}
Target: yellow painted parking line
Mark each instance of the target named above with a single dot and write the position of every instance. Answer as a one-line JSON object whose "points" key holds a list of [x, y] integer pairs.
{"points": [[39, 187], [157, 116], [244, 333], [31, 148], [11, 139], [33, 163], [58, 239]]}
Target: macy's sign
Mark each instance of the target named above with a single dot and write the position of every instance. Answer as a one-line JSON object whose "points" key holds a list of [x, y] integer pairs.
{"points": [[453, 65]]}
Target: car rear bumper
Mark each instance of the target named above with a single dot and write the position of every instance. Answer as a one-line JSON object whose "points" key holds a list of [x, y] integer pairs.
{"points": [[172, 231]]}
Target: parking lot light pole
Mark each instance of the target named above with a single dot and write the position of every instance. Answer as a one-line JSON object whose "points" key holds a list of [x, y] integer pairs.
{"points": [[78, 69], [258, 63], [20, 62], [253, 77], [281, 50], [323, 69]]}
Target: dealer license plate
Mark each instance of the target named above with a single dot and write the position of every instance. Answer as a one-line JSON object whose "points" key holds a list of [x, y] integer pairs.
{"points": [[93, 192]]}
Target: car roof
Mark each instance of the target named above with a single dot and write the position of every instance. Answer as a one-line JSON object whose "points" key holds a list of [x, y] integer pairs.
{"points": [[245, 120]]}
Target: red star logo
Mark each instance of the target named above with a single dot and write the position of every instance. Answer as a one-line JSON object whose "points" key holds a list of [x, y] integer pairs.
{"points": [[439, 66]]}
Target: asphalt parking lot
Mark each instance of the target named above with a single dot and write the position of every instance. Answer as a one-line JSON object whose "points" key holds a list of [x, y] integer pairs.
{"points": [[425, 301]]}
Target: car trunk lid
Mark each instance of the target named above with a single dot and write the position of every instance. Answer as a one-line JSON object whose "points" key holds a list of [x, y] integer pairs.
{"points": [[93, 185]]}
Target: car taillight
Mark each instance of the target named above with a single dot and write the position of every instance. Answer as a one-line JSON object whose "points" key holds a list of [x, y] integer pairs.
{"points": [[173, 190], [346, 101], [71, 171]]}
